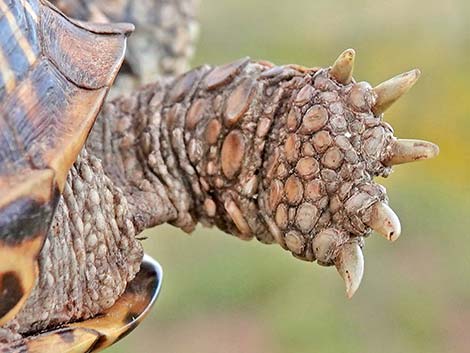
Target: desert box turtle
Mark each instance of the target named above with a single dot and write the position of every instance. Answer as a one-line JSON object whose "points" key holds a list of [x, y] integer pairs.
{"points": [[286, 154]]}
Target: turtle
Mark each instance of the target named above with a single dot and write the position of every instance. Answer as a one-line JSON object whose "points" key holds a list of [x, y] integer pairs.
{"points": [[285, 154]]}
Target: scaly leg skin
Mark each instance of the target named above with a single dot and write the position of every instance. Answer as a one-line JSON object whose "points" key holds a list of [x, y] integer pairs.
{"points": [[285, 154], [88, 258], [163, 41]]}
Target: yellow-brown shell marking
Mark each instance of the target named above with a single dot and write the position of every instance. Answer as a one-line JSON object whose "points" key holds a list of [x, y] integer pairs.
{"points": [[27, 203]]}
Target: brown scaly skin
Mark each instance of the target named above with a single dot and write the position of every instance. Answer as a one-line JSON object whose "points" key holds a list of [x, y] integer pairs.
{"points": [[284, 154]]}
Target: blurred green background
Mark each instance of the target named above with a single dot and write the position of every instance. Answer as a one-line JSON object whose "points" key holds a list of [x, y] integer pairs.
{"points": [[224, 295]]}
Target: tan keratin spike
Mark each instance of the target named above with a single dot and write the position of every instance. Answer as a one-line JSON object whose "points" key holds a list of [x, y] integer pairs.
{"points": [[406, 151], [390, 91], [384, 221], [350, 265], [342, 69]]}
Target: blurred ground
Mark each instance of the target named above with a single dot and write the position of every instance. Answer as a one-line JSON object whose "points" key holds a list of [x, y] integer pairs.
{"points": [[224, 295]]}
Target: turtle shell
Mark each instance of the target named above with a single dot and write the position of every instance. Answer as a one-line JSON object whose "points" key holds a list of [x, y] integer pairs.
{"points": [[54, 75]]}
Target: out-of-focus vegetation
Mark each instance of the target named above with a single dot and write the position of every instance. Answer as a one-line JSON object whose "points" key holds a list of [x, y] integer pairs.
{"points": [[224, 295]]}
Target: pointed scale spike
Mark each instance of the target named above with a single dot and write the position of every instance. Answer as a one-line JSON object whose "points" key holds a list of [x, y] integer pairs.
{"points": [[406, 151], [342, 69], [384, 221], [390, 91], [350, 266]]}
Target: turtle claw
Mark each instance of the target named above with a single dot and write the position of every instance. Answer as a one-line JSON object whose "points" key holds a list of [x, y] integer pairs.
{"points": [[406, 151], [342, 69], [97, 333], [350, 265], [390, 91], [384, 221]]}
